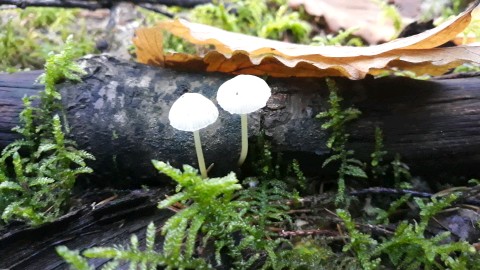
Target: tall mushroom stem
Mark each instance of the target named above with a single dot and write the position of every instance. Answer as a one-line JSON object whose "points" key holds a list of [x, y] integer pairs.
{"points": [[198, 149], [243, 153]]}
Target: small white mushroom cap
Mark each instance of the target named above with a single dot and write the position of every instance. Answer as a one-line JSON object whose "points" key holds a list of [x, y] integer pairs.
{"points": [[192, 112], [243, 94]]}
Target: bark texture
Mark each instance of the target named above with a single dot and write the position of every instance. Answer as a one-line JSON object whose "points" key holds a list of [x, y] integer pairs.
{"points": [[120, 114], [13, 87], [107, 224], [116, 215]]}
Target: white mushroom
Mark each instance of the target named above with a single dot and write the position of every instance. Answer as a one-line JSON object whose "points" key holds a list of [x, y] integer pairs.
{"points": [[242, 95], [192, 112]]}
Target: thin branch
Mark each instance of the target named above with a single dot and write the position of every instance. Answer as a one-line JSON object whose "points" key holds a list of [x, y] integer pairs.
{"points": [[284, 233], [93, 5], [157, 10], [390, 191]]}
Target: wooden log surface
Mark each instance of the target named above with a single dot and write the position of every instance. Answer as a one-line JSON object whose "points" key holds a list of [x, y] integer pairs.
{"points": [[109, 218], [13, 87], [108, 223], [119, 114]]}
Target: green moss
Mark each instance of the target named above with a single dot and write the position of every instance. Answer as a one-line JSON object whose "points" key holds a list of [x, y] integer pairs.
{"points": [[235, 224], [39, 31], [267, 19], [37, 172], [342, 38], [336, 119]]}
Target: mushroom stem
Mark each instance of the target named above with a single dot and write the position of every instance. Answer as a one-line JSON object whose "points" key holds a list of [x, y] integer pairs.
{"points": [[243, 153], [198, 149]]}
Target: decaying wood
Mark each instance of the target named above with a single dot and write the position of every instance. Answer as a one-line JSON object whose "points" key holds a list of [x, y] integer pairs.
{"points": [[13, 87], [106, 224], [119, 113], [115, 215]]}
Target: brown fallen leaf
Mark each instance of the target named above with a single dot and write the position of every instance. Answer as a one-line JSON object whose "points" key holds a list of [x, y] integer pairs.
{"points": [[470, 34], [151, 51], [242, 54], [365, 15]]}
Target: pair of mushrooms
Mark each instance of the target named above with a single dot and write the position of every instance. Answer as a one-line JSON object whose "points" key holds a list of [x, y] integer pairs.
{"points": [[241, 95]]}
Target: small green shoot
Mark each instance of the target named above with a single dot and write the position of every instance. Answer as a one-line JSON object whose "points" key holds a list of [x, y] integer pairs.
{"points": [[342, 38], [39, 171], [336, 120], [378, 167], [267, 19]]}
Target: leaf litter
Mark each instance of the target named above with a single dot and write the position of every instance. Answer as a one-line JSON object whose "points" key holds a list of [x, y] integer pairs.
{"points": [[242, 54]]}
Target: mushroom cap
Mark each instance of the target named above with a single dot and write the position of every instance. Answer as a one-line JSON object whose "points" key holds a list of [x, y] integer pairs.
{"points": [[243, 94], [192, 112]]}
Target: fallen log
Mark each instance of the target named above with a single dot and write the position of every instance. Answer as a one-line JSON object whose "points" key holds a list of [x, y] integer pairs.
{"points": [[119, 114], [109, 218], [110, 222], [13, 87]]}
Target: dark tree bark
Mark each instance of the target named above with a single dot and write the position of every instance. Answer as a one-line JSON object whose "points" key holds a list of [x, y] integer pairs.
{"points": [[113, 220], [13, 87], [107, 224], [120, 114]]}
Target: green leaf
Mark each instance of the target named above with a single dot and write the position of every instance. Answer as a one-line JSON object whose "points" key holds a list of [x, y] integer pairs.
{"points": [[25, 212], [82, 170], [9, 185], [331, 159], [75, 158], [113, 265], [41, 181], [3, 176], [18, 166], [134, 243], [172, 199], [44, 148], [57, 131], [192, 233], [11, 149], [174, 173], [355, 171], [102, 252], [355, 161], [150, 237], [84, 154], [174, 236], [73, 258]]}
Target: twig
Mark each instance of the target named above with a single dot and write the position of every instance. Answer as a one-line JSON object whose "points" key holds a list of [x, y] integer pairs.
{"points": [[284, 233], [390, 191], [93, 5], [159, 11], [376, 229], [457, 75]]}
